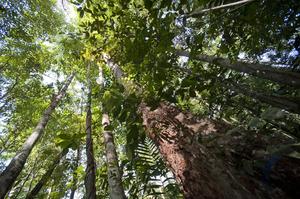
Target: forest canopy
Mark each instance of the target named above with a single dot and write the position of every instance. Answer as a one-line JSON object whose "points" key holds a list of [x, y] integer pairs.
{"points": [[150, 99]]}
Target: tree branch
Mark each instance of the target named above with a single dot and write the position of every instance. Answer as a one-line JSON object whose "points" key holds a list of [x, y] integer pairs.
{"points": [[196, 13]]}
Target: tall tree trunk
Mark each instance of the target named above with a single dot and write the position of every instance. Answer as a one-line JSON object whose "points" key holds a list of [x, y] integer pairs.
{"points": [[195, 167], [116, 190], [90, 178], [198, 171], [291, 104], [259, 70], [30, 174], [12, 171], [78, 158], [33, 193], [75, 177]]}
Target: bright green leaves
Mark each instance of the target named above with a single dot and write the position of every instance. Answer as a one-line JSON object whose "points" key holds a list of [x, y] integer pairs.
{"points": [[140, 36], [111, 100], [69, 140], [133, 136], [23, 21]]}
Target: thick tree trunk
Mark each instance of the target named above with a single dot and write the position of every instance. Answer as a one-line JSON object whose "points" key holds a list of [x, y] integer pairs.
{"points": [[33, 193], [90, 178], [116, 190], [75, 177], [285, 173], [12, 171], [201, 175], [259, 70], [199, 172], [247, 151]]}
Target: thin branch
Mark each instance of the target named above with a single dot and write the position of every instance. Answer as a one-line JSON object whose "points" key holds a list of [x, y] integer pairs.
{"points": [[199, 12], [9, 90]]}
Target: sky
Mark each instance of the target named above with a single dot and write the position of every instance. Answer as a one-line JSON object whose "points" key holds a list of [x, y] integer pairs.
{"points": [[68, 9]]}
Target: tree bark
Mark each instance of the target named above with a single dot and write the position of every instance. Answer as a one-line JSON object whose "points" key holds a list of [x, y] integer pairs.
{"points": [[259, 70], [199, 172], [116, 189], [249, 153], [195, 167], [12, 171], [33, 193], [90, 178], [30, 174], [114, 175]]}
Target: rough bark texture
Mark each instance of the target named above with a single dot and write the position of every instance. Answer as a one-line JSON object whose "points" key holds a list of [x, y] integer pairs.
{"points": [[247, 151], [12, 171], [199, 172], [285, 173], [90, 178], [259, 70], [116, 190], [33, 193], [75, 177], [29, 175]]}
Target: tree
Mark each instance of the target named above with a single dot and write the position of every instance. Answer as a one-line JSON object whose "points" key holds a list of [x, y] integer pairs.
{"points": [[143, 50], [46, 176], [90, 168], [259, 70], [116, 190], [202, 11], [217, 118], [75, 176], [197, 169], [9, 175]]}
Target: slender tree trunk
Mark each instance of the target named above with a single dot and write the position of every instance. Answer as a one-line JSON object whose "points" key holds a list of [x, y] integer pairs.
{"points": [[197, 13], [199, 172], [30, 174], [33, 193], [12, 171], [75, 177], [114, 175], [291, 104], [78, 158], [116, 189], [90, 178], [259, 70]]}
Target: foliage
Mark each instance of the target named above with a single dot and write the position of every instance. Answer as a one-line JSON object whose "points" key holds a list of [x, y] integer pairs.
{"points": [[38, 49]]}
